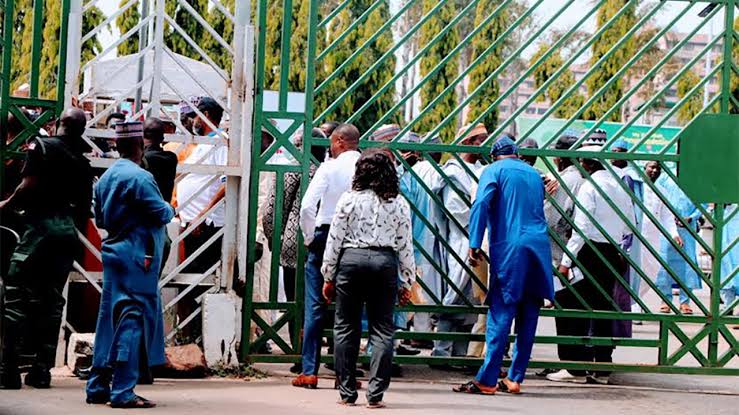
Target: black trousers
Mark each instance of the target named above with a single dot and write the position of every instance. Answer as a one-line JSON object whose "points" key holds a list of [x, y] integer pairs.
{"points": [[207, 258], [288, 279], [365, 277], [582, 327]]}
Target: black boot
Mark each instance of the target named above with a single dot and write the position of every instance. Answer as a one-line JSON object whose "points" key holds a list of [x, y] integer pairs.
{"points": [[10, 377], [38, 377]]}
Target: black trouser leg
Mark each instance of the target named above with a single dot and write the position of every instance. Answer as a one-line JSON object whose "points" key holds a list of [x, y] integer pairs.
{"points": [[347, 333], [381, 289], [288, 279], [568, 326]]}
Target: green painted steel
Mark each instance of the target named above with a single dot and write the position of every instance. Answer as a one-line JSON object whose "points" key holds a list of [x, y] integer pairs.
{"points": [[676, 342], [698, 173]]}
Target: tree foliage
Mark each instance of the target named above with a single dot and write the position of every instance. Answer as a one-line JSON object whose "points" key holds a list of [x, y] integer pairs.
{"points": [[614, 62], [491, 90], [442, 78], [187, 22], [125, 22], [224, 27], [692, 105], [557, 88], [92, 18], [734, 86], [22, 43], [358, 67]]}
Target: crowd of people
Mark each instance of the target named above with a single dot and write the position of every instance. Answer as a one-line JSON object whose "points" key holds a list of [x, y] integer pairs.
{"points": [[381, 227]]}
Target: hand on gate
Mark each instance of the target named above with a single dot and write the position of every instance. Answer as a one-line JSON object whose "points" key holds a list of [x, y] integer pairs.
{"points": [[564, 271], [475, 256], [329, 291], [679, 241], [404, 296], [551, 186]]}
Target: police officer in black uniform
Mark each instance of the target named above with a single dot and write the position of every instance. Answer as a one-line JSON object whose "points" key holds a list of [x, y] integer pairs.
{"points": [[54, 195]]}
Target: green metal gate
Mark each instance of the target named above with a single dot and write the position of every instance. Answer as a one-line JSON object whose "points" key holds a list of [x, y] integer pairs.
{"points": [[537, 68]]}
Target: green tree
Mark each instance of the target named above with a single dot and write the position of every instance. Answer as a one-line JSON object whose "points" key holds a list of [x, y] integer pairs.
{"points": [[694, 103], [370, 55], [92, 18], [491, 91], [188, 24], [223, 26], [125, 22], [615, 61], [559, 86], [734, 107], [444, 76], [22, 42]]}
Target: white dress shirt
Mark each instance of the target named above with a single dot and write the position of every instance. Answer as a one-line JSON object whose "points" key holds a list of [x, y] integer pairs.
{"points": [[332, 179], [203, 154], [363, 220], [594, 203]]}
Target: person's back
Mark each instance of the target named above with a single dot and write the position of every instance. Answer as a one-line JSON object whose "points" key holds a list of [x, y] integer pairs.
{"points": [[64, 179], [162, 164]]}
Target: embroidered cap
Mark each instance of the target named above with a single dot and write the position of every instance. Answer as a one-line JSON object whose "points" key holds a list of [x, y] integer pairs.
{"points": [[129, 129], [385, 133], [596, 138]]}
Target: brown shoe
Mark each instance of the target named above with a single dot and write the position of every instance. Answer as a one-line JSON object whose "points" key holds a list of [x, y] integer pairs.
{"points": [[685, 309], [508, 386], [306, 381]]}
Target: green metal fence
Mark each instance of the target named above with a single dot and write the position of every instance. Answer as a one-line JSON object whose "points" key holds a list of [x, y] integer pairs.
{"points": [[636, 63]]}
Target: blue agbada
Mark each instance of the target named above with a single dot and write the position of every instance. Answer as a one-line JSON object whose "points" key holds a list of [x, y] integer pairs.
{"points": [[130, 208], [510, 204], [730, 261]]}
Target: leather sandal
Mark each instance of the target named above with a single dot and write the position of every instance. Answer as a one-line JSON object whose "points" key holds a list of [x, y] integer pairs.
{"points": [[664, 308], [135, 403], [375, 405], [508, 386], [306, 381], [685, 309], [475, 388]]}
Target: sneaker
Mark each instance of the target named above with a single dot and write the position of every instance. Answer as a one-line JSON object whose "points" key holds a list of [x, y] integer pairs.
{"points": [[406, 351], [544, 372], [565, 376], [598, 379]]}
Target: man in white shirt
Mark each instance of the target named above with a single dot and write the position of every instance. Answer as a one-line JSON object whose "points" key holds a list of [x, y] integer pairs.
{"points": [[585, 244], [331, 180], [197, 193]]}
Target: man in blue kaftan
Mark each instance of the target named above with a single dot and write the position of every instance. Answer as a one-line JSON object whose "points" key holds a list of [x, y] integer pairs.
{"points": [[129, 206], [730, 260], [510, 205], [683, 269]]}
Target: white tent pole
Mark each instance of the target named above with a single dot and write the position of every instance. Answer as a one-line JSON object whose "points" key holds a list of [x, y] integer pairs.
{"points": [[74, 36], [143, 40], [156, 85]]}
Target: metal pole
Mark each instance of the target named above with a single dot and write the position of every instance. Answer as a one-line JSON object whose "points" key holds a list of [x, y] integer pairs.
{"points": [[709, 56], [156, 83], [143, 42], [74, 44], [233, 183], [246, 148]]}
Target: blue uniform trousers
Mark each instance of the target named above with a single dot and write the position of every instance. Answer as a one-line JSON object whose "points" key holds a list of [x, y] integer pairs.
{"points": [[315, 306], [500, 319], [125, 372]]}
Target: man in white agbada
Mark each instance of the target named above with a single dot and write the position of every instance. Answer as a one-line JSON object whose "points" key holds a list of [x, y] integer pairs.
{"points": [[456, 193]]}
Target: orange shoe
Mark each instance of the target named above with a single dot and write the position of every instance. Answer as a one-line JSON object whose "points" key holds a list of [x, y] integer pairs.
{"points": [[306, 381], [685, 309]]}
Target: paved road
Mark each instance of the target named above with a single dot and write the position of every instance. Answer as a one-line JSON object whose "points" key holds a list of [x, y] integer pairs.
{"points": [[635, 394]]}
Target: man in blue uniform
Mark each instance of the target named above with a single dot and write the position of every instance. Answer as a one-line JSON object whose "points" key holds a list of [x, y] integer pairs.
{"points": [[510, 205], [129, 206]]}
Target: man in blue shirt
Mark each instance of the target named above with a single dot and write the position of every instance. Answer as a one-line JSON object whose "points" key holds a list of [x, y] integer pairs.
{"points": [[510, 206]]}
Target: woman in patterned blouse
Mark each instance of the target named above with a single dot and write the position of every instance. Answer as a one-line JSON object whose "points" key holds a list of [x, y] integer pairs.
{"points": [[369, 243]]}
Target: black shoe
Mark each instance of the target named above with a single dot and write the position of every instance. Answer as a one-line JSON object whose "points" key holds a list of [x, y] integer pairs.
{"points": [[544, 372], [422, 344], [97, 400], [406, 351], [38, 378], [397, 371], [10, 380], [297, 368]]}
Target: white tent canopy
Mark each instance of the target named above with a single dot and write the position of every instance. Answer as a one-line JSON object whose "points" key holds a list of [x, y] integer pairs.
{"points": [[107, 80]]}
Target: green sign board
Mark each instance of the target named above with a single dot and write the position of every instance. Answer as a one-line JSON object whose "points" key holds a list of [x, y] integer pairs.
{"points": [[633, 134]]}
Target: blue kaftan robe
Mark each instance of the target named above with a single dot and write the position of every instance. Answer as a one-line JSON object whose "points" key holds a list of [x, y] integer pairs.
{"points": [[687, 209], [510, 205], [130, 208], [730, 261]]}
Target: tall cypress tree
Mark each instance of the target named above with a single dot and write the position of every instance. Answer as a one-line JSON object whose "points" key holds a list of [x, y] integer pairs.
{"points": [[615, 62], [433, 86], [223, 26], [491, 91], [92, 18], [557, 88], [189, 25], [692, 105], [22, 42], [125, 22]]}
